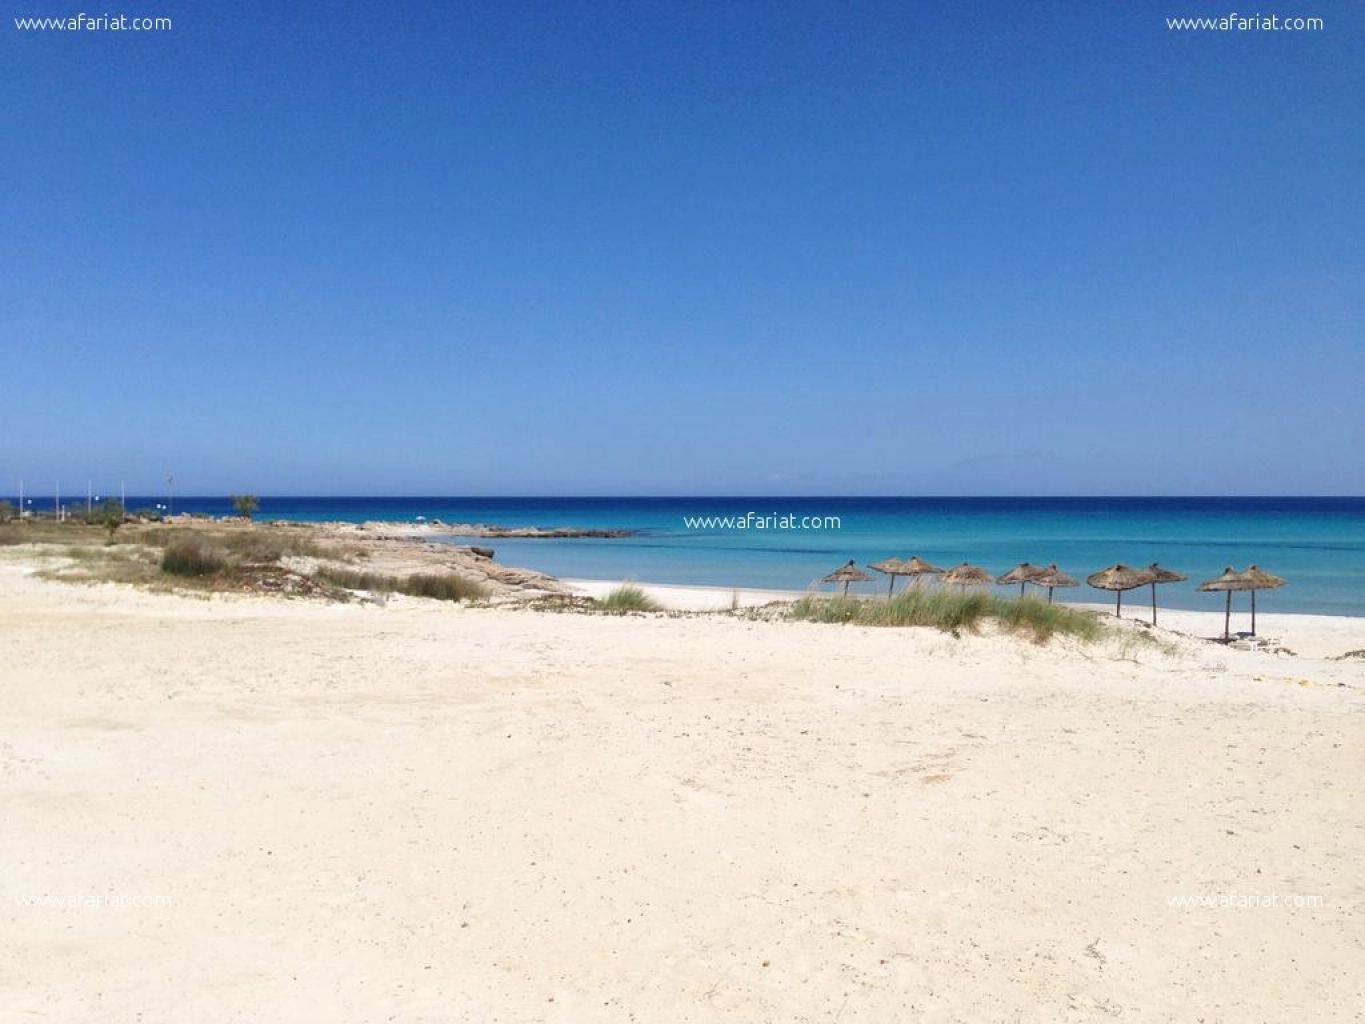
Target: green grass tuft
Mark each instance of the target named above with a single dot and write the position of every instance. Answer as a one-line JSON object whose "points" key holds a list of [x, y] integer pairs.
{"points": [[627, 598], [1042, 620], [952, 612]]}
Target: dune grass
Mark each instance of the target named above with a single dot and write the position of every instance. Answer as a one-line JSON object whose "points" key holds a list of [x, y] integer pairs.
{"points": [[442, 587], [438, 587], [190, 558], [626, 598], [952, 612]]}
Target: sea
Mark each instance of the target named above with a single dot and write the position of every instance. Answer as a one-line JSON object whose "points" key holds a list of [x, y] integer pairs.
{"points": [[1316, 543]]}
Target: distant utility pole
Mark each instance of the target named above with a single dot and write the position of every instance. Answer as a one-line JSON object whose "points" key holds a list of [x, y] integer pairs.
{"points": [[170, 497], [57, 502], [89, 498]]}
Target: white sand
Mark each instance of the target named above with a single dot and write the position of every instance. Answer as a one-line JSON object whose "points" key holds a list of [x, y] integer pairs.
{"points": [[678, 597], [419, 813], [1317, 635]]}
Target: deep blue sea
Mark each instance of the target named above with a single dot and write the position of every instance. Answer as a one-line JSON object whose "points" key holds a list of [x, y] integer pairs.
{"points": [[1318, 544]]}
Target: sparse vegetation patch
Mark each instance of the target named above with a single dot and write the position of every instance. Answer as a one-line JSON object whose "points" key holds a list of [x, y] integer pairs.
{"points": [[952, 612], [627, 598]]}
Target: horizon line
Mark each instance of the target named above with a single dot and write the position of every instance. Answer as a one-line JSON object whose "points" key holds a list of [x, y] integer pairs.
{"points": [[226, 495]]}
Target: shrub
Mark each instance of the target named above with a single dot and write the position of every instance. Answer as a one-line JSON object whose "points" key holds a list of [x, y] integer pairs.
{"points": [[110, 515], [245, 505], [190, 558], [6, 511]]}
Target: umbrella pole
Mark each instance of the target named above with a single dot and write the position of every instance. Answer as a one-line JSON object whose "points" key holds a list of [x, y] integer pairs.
{"points": [[846, 588], [1253, 613], [892, 587], [1227, 618], [1021, 590], [1118, 613], [1153, 604], [1049, 595]]}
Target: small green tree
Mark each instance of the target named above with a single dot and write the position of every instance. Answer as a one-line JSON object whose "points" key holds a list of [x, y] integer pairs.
{"points": [[111, 516], [6, 511], [245, 504]]}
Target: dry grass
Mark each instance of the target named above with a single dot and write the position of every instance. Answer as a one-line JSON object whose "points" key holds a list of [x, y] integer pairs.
{"points": [[245, 543], [103, 564], [160, 556], [438, 587], [191, 557], [47, 531]]}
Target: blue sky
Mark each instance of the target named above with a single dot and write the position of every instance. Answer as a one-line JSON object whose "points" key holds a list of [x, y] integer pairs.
{"points": [[673, 248]]}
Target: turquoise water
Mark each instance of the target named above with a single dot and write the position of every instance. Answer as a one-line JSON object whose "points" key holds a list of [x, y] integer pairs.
{"points": [[1318, 544]]}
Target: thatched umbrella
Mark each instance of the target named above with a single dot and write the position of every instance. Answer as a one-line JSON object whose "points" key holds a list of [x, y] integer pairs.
{"points": [[847, 574], [893, 567], [1119, 578], [1021, 574], [1261, 580], [966, 576], [1053, 577], [1160, 575], [917, 567], [1228, 582], [912, 566]]}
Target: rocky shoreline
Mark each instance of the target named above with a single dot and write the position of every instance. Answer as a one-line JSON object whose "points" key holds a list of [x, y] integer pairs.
{"points": [[487, 531], [527, 532]]}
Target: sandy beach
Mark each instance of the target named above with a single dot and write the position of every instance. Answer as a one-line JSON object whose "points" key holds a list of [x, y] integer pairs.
{"points": [[249, 809], [612, 513]]}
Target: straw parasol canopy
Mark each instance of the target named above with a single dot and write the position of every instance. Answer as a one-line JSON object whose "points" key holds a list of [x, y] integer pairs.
{"points": [[912, 566], [893, 567], [1119, 578], [1261, 580], [1160, 575], [966, 576], [1053, 577], [1228, 582], [916, 566], [847, 574], [1021, 574]]}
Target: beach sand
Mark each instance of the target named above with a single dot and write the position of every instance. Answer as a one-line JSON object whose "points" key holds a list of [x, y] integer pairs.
{"points": [[243, 809]]}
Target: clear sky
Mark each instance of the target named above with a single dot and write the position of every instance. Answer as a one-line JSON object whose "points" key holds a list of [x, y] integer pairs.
{"points": [[685, 247]]}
